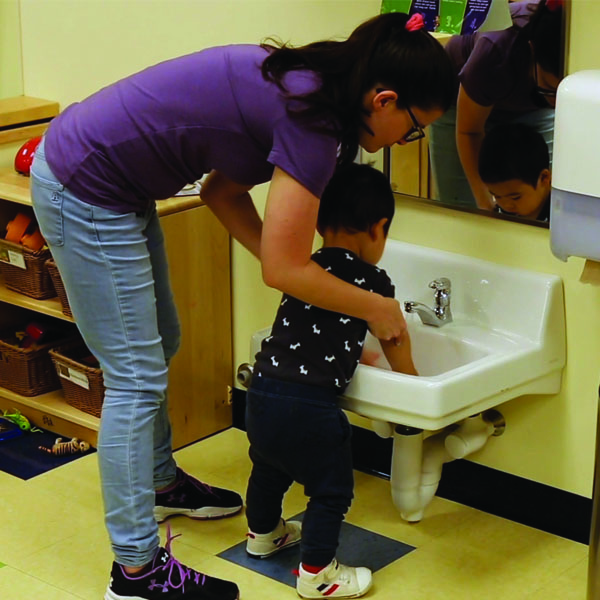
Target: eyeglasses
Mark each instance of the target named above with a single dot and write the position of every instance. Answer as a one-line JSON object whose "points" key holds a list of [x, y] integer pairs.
{"points": [[416, 131]]}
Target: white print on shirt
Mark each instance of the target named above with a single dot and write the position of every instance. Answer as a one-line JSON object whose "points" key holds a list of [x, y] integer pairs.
{"points": [[337, 382], [328, 269], [275, 363], [359, 281], [269, 338], [361, 343], [303, 370], [330, 358], [346, 346], [295, 346], [349, 257], [284, 301], [315, 330], [307, 306], [286, 323], [344, 321]]}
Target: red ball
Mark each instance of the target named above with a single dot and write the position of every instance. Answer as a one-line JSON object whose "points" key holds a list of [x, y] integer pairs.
{"points": [[24, 156]]}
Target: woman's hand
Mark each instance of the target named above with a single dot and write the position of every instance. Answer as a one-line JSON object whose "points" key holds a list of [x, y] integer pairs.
{"points": [[387, 321]]}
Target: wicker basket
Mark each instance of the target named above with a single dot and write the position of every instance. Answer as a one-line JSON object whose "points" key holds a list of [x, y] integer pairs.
{"points": [[26, 371], [81, 379], [59, 287], [24, 270]]}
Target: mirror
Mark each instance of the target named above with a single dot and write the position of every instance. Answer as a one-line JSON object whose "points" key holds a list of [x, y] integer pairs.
{"points": [[431, 169]]}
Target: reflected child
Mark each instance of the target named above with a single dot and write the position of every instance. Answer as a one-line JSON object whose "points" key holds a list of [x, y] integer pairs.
{"points": [[514, 164]]}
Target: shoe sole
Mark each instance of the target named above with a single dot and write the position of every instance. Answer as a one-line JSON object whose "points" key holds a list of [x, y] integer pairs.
{"points": [[109, 595], [357, 595], [274, 551], [203, 514]]}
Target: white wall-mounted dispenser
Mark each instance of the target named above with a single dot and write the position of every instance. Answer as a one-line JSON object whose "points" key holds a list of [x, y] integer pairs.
{"points": [[575, 207]]}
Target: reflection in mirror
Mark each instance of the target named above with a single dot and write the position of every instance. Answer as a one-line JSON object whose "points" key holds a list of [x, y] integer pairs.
{"points": [[507, 83]]}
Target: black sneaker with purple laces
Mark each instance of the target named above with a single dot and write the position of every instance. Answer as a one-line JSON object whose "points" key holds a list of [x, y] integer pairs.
{"points": [[189, 497], [165, 578]]}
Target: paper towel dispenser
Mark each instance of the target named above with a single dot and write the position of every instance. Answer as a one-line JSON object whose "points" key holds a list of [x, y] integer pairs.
{"points": [[575, 205]]}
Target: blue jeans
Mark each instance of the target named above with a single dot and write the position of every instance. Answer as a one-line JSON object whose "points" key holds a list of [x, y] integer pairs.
{"points": [[451, 182], [114, 269], [299, 433]]}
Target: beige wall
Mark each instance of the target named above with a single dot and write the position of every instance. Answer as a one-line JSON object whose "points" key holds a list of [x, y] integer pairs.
{"points": [[11, 76], [71, 47]]}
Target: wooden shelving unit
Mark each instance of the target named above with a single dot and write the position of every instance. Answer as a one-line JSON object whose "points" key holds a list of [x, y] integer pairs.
{"points": [[199, 255]]}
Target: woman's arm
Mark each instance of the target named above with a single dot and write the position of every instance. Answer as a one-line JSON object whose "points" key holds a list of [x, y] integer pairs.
{"points": [[233, 206], [470, 131], [286, 247]]}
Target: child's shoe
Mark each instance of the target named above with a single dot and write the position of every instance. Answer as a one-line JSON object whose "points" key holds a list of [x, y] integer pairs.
{"points": [[194, 499], [167, 579], [334, 581], [261, 545]]}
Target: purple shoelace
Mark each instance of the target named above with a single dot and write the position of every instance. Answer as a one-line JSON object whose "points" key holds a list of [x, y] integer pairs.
{"points": [[178, 574]]}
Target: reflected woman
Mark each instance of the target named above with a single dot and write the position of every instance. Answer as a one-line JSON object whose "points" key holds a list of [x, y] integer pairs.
{"points": [[505, 76]]}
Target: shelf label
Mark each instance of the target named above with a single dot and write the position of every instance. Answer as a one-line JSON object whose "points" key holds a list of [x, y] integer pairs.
{"points": [[11, 257], [73, 375]]}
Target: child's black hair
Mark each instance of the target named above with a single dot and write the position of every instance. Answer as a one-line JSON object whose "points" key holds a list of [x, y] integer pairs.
{"points": [[513, 151], [356, 198]]}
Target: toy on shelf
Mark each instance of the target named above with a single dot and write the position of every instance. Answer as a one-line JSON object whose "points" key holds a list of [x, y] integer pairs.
{"points": [[25, 154], [22, 230], [61, 448]]}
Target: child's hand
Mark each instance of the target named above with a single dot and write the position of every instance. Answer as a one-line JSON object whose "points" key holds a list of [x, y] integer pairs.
{"points": [[369, 357]]}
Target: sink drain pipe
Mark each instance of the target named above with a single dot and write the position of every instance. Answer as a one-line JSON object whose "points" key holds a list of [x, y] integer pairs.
{"points": [[417, 462]]}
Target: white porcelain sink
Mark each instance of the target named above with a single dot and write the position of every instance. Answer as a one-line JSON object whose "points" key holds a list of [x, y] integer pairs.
{"points": [[507, 340]]}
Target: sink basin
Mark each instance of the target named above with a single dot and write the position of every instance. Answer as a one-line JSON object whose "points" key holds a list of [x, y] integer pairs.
{"points": [[507, 340]]}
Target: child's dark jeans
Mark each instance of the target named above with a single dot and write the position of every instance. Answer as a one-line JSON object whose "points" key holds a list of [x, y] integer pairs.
{"points": [[298, 433]]}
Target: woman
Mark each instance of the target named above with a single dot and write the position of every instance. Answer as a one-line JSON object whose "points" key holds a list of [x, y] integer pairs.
{"points": [[245, 115], [505, 76]]}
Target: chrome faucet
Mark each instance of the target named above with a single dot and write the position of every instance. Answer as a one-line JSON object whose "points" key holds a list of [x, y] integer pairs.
{"points": [[440, 314]]}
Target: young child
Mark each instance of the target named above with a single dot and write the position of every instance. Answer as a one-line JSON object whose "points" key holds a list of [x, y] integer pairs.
{"points": [[296, 430], [514, 164]]}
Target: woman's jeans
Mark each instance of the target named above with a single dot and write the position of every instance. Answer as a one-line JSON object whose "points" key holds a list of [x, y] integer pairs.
{"points": [[451, 182], [114, 269], [299, 433]]}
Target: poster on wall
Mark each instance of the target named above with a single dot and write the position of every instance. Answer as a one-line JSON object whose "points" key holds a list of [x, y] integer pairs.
{"points": [[455, 16]]}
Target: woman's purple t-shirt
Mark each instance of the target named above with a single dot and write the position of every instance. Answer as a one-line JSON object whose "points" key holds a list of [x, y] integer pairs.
{"points": [[143, 138], [494, 68]]}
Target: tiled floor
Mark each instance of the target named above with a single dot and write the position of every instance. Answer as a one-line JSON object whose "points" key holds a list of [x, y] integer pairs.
{"points": [[53, 545]]}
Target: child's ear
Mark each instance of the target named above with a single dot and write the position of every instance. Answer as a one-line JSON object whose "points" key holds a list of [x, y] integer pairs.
{"points": [[378, 229], [545, 177]]}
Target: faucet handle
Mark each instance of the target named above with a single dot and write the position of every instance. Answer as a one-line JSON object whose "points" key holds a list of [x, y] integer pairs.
{"points": [[441, 284]]}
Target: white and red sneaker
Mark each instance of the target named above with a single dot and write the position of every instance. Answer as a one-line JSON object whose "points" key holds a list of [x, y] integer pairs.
{"points": [[334, 581], [286, 534]]}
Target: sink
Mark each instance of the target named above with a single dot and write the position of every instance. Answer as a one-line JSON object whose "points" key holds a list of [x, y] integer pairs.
{"points": [[507, 340]]}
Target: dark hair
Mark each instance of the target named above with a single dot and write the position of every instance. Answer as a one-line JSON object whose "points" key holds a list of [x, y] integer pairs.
{"points": [[356, 198], [513, 151], [545, 31], [380, 51]]}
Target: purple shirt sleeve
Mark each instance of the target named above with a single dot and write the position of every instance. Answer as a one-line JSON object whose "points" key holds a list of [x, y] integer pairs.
{"points": [[308, 156]]}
